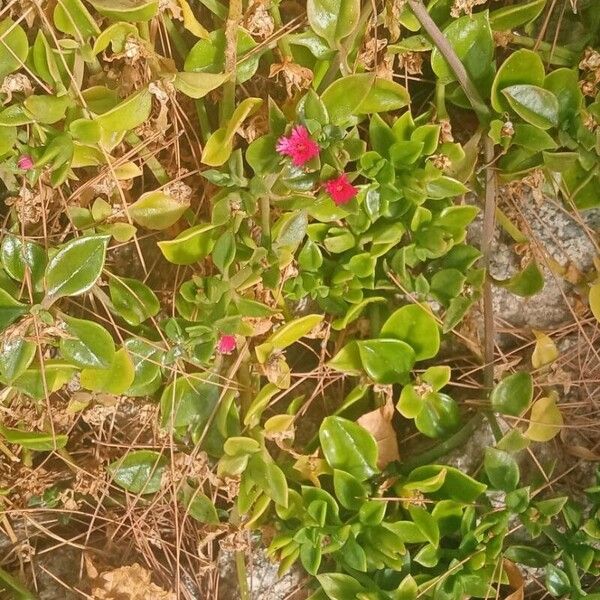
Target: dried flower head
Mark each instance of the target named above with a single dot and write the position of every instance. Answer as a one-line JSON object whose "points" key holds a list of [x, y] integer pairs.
{"points": [[299, 146], [340, 189]]}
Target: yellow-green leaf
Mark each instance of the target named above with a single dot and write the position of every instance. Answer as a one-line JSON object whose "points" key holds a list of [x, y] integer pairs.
{"points": [[594, 299], [220, 144], [545, 351], [545, 420]]}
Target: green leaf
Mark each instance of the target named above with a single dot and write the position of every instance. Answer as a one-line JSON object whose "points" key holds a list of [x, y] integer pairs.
{"points": [[410, 403], [439, 415], [457, 485], [13, 47], [21, 256], [511, 17], [415, 326], [471, 38], [526, 555], [12, 584], [187, 403], [564, 84], [269, 477], [501, 469], [386, 360], [128, 114], [338, 586], [73, 18], [513, 395], [527, 282], [157, 210], [190, 245], [34, 440], [132, 299], [347, 360], [384, 96], [208, 56], [198, 505], [126, 10], [38, 382], [87, 344], [219, 145], [16, 354], [426, 523], [146, 358], [47, 109], [557, 581], [545, 421], [197, 85], [348, 489], [75, 268], [113, 380], [344, 96], [10, 309], [287, 335], [223, 253], [521, 67], [333, 19], [407, 590], [533, 104], [348, 447], [139, 472]]}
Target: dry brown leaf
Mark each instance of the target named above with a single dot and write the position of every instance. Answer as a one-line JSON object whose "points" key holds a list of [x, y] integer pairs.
{"points": [[378, 423], [515, 580], [132, 582]]}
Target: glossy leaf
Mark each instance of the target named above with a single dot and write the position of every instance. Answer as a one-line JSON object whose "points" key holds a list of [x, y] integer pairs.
{"points": [[344, 96], [510, 17], [348, 447], [132, 299], [439, 415], [16, 354], [198, 505], [157, 210], [146, 358], [521, 67], [190, 245], [139, 472], [386, 360], [75, 268], [197, 85], [533, 104], [113, 380], [415, 326], [501, 469], [287, 335], [128, 114], [87, 344], [333, 20], [22, 256], [513, 395], [527, 282]]}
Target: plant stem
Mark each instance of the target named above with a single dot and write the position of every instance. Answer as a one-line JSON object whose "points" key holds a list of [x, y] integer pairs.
{"points": [[429, 25], [282, 43], [231, 31], [453, 442], [242, 577], [265, 220]]}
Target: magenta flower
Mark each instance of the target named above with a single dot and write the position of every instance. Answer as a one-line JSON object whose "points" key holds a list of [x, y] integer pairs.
{"points": [[340, 189], [299, 146], [25, 162], [226, 344]]}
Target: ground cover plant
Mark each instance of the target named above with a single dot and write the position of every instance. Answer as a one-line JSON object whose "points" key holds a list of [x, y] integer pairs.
{"points": [[249, 307]]}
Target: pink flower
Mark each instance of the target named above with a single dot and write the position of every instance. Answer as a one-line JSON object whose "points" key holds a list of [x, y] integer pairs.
{"points": [[340, 189], [25, 162], [226, 344], [299, 146]]}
